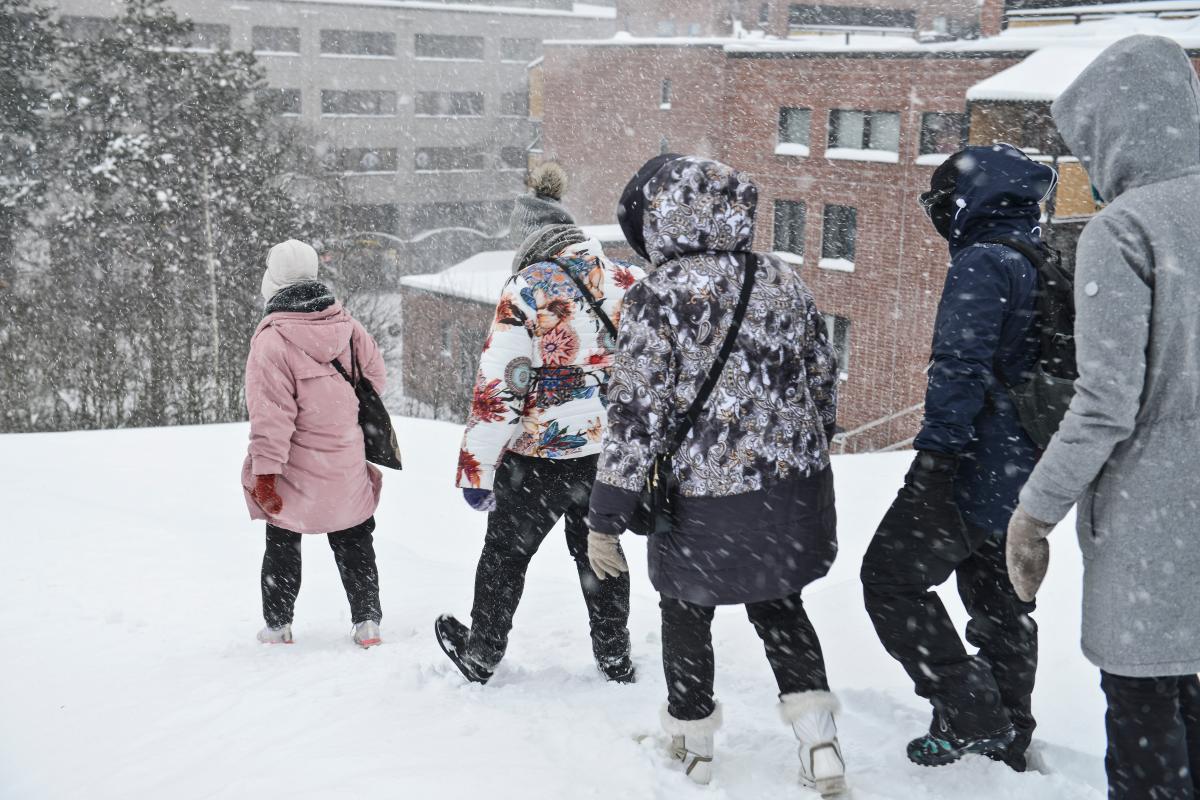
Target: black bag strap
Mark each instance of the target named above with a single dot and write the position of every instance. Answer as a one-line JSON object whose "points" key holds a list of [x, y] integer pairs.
{"points": [[353, 381], [597, 308], [718, 366]]}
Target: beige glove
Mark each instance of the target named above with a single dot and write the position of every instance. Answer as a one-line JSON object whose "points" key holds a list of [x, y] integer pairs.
{"points": [[604, 554], [1027, 553]]}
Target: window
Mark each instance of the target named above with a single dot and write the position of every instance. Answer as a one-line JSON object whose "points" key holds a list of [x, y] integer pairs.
{"points": [[358, 103], [794, 125], [87, 29], [358, 43], [364, 218], [514, 104], [457, 48], [789, 226], [522, 50], [449, 104], [435, 159], [818, 16], [838, 237], [275, 40], [209, 37], [432, 216], [514, 157], [365, 159], [764, 15], [664, 146], [942, 132], [864, 130], [838, 330], [279, 101], [665, 27], [695, 29], [665, 99]]}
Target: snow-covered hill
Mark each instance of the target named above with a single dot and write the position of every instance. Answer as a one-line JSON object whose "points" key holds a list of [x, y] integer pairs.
{"points": [[128, 667]]}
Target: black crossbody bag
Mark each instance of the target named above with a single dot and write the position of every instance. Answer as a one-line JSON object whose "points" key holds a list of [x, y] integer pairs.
{"points": [[655, 511], [379, 437]]}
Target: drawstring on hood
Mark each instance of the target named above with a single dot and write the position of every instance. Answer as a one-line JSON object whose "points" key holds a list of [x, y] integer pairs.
{"points": [[1102, 115], [986, 191]]}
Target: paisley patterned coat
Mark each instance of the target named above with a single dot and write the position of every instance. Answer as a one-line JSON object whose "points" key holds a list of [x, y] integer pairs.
{"points": [[541, 386], [756, 508]]}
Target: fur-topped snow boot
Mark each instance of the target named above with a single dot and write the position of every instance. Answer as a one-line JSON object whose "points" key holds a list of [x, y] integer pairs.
{"points": [[692, 743], [811, 716], [280, 635]]}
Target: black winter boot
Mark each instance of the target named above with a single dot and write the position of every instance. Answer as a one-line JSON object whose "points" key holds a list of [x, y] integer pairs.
{"points": [[452, 636], [942, 746], [618, 670]]}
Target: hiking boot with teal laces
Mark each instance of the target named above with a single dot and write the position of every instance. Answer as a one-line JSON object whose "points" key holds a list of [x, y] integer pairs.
{"points": [[941, 746]]}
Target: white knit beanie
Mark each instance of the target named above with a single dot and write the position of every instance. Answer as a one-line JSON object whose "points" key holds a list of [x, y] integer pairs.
{"points": [[288, 263]]}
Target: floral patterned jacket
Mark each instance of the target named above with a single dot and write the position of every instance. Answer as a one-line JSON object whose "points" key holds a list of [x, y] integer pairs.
{"points": [[772, 412], [543, 375]]}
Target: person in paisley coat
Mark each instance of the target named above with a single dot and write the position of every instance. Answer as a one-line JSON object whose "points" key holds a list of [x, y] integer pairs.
{"points": [[532, 442], [755, 520]]}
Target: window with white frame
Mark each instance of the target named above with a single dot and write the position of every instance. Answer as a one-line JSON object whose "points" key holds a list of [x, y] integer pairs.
{"points": [[451, 48], [839, 235], [790, 216], [284, 102], [448, 104], [358, 103], [794, 127], [860, 134], [665, 95]]}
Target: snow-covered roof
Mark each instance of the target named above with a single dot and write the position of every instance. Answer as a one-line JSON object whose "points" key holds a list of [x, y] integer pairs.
{"points": [[1144, 7], [1043, 76], [480, 278], [581, 10]]}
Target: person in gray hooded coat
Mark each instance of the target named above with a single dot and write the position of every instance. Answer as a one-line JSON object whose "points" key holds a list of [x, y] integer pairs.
{"points": [[1126, 452]]}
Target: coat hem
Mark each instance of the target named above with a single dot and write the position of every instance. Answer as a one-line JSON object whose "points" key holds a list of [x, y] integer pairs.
{"points": [[1161, 669]]}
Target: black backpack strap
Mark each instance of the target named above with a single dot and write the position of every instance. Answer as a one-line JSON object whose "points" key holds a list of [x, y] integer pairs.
{"points": [[718, 366], [597, 308], [1036, 256]]}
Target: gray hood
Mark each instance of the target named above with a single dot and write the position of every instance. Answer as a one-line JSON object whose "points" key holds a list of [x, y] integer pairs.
{"points": [[1133, 116]]}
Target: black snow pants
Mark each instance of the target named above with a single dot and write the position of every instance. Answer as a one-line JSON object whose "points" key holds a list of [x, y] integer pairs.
{"points": [[1153, 729], [354, 552], [532, 494], [975, 695], [792, 646]]}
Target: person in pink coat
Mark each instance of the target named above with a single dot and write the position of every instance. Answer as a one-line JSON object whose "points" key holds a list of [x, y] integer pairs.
{"points": [[306, 470]]}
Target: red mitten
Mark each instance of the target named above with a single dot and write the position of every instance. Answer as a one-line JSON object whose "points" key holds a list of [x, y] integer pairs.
{"points": [[265, 495]]}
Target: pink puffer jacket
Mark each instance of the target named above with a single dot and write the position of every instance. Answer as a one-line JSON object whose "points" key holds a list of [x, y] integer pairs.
{"points": [[304, 420]]}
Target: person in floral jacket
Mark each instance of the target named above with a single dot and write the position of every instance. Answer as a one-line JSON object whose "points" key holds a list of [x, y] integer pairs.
{"points": [[533, 439]]}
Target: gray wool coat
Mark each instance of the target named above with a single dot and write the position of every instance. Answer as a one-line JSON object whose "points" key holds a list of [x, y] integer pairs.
{"points": [[1129, 448]]}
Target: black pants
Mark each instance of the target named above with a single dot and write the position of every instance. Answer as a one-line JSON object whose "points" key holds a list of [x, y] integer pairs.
{"points": [[975, 695], [354, 552], [1153, 737], [532, 494], [793, 651]]}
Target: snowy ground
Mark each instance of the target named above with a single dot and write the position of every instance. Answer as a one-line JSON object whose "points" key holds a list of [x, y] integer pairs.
{"points": [[129, 602]]}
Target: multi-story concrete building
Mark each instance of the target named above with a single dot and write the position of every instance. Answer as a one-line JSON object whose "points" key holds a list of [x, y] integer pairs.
{"points": [[422, 105]]}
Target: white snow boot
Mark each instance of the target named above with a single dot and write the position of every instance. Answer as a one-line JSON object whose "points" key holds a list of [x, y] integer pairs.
{"points": [[280, 635], [366, 634], [692, 743], [811, 716]]}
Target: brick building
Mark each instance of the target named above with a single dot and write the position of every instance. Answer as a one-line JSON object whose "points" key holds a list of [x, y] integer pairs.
{"points": [[841, 136]]}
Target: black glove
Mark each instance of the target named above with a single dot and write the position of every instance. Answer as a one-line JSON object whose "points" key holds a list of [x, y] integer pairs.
{"points": [[927, 509]]}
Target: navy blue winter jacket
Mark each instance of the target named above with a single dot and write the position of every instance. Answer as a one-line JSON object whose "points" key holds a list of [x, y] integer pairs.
{"points": [[984, 340]]}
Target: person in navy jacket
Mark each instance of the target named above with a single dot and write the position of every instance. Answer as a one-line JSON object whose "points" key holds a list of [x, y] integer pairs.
{"points": [[972, 459]]}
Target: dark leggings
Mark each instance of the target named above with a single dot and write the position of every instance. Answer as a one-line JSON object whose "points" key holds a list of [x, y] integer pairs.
{"points": [[791, 643], [1153, 729], [354, 552]]}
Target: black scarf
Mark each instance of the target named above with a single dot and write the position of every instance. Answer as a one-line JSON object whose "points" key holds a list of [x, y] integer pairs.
{"points": [[302, 297]]}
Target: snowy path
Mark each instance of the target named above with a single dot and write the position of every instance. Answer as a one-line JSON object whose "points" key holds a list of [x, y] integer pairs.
{"points": [[129, 588]]}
